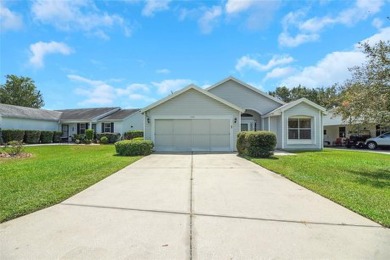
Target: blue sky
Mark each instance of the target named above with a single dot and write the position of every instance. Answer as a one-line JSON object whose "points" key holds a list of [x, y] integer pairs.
{"points": [[130, 53]]}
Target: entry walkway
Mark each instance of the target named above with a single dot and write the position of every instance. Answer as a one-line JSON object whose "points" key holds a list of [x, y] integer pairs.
{"points": [[194, 206]]}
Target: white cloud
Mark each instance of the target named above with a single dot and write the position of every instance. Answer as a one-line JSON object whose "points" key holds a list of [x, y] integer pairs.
{"points": [[236, 6], [163, 71], [170, 85], [382, 35], [154, 6], [279, 72], [308, 30], [209, 19], [9, 20], [247, 62], [97, 92], [40, 49], [76, 15], [377, 23], [134, 88], [142, 98]]}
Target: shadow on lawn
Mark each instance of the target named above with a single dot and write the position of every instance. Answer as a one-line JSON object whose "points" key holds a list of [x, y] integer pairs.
{"points": [[379, 178]]}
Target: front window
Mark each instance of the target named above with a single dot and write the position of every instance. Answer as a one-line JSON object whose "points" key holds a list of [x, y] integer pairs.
{"points": [[83, 127], [107, 127], [299, 128]]}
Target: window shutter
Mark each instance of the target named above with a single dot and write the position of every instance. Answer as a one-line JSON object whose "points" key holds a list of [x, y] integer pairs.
{"points": [[86, 125], [102, 127], [78, 128], [112, 127]]}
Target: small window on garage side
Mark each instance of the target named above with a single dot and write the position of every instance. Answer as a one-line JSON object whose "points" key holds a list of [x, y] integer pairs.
{"points": [[299, 128]]}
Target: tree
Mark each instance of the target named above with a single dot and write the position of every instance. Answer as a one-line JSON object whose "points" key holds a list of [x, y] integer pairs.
{"points": [[365, 98], [20, 91], [326, 97]]}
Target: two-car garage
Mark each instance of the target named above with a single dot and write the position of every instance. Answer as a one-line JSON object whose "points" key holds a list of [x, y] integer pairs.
{"points": [[192, 119], [192, 134]]}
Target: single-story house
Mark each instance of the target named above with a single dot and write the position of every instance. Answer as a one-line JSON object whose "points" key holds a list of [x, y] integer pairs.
{"points": [[195, 119], [337, 129], [71, 121]]}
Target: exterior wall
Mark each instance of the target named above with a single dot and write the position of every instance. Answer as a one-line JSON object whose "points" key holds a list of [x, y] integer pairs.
{"points": [[316, 142], [332, 131], [133, 122], [28, 124], [274, 127], [192, 105], [244, 97]]}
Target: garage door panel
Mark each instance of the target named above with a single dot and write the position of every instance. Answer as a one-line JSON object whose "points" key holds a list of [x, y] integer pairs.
{"points": [[164, 126], [220, 126], [182, 127], [192, 135], [201, 126]]}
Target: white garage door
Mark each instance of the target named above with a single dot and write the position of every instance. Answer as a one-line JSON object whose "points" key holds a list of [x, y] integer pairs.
{"points": [[192, 135]]}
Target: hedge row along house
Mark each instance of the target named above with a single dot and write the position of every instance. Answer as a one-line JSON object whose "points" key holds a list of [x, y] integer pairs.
{"points": [[71, 121], [191, 119]]}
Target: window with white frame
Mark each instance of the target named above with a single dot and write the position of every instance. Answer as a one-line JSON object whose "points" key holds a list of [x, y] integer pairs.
{"points": [[83, 127], [299, 128], [106, 127]]}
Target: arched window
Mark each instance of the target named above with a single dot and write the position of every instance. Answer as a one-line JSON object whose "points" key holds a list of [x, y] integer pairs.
{"points": [[299, 128]]}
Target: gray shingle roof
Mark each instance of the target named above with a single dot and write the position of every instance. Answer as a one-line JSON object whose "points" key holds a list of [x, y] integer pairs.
{"points": [[121, 114], [28, 112], [85, 113]]}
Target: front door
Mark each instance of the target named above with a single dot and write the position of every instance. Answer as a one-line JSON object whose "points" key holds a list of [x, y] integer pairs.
{"points": [[65, 133], [248, 125]]}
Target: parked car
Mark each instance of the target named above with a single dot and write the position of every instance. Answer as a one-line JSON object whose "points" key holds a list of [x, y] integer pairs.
{"points": [[382, 140], [357, 140]]}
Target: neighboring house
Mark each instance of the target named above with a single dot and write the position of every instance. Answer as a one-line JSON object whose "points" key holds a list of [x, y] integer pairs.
{"points": [[15, 117], [71, 121], [194, 119], [335, 128]]}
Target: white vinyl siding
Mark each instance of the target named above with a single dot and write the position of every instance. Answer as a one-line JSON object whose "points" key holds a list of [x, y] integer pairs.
{"points": [[28, 124], [244, 97], [192, 105], [303, 110]]}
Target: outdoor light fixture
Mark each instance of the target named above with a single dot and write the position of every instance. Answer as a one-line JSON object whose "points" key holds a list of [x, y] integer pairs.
{"points": [[235, 120], [148, 120]]}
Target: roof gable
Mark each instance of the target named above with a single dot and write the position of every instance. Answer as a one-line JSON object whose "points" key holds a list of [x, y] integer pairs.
{"points": [[192, 87], [243, 84], [292, 104], [120, 114], [87, 113]]}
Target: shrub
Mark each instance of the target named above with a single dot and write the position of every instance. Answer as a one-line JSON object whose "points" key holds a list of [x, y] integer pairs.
{"points": [[89, 134], [138, 139], [32, 136], [57, 136], [133, 134], [47, 137], [104, 140], [78, 138], [12, 135], [112, 137], [14, 147], [132, 148], [1, 137], [256, 144]]}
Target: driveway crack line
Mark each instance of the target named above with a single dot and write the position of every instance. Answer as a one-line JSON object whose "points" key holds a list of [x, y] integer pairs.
{"points": [[191, 197]]}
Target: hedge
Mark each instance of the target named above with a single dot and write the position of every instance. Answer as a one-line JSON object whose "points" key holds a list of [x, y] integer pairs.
{"points": [[256, 144], [112, 137], [133, 134], [57, 136], [12, 135], [133, 148], [32, 136], [47, 137]]}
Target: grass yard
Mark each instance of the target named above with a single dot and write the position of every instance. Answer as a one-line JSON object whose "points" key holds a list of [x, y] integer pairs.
{"points": [[359, 181], [53, 174]]}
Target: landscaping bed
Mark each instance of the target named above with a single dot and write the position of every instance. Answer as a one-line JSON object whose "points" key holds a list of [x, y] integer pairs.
{"points": [[53, 174], [357, 180]]}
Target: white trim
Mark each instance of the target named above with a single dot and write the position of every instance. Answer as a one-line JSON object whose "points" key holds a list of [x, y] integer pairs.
{"points": [[269, 124], [279, 110], [192, 87], [193, 117], [245, 85], [283, 130]]}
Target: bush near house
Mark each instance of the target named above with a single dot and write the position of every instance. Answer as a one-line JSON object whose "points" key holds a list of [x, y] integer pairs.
{"points": [[133, 134], [57, 136], [32, 136], [46, 137], [89, 134], [134, 147], [103, 140], [258, 144], [12, 135], [112, 137]]}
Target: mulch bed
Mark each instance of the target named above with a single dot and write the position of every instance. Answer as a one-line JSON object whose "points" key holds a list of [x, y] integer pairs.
{"points": [[11, 156]]}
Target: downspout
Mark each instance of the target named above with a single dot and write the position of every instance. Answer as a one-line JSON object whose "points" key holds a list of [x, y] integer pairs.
{"points": [[283, 130]]}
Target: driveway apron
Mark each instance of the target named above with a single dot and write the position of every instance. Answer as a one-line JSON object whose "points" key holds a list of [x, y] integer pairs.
{"points": [[194, 206]]}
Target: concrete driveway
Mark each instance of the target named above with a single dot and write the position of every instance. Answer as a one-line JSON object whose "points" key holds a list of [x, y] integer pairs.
{"points": [[200, 206]]}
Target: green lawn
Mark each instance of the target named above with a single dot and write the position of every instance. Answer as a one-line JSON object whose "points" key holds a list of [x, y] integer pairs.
{"points": [[53, 174], [357, 180]]}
